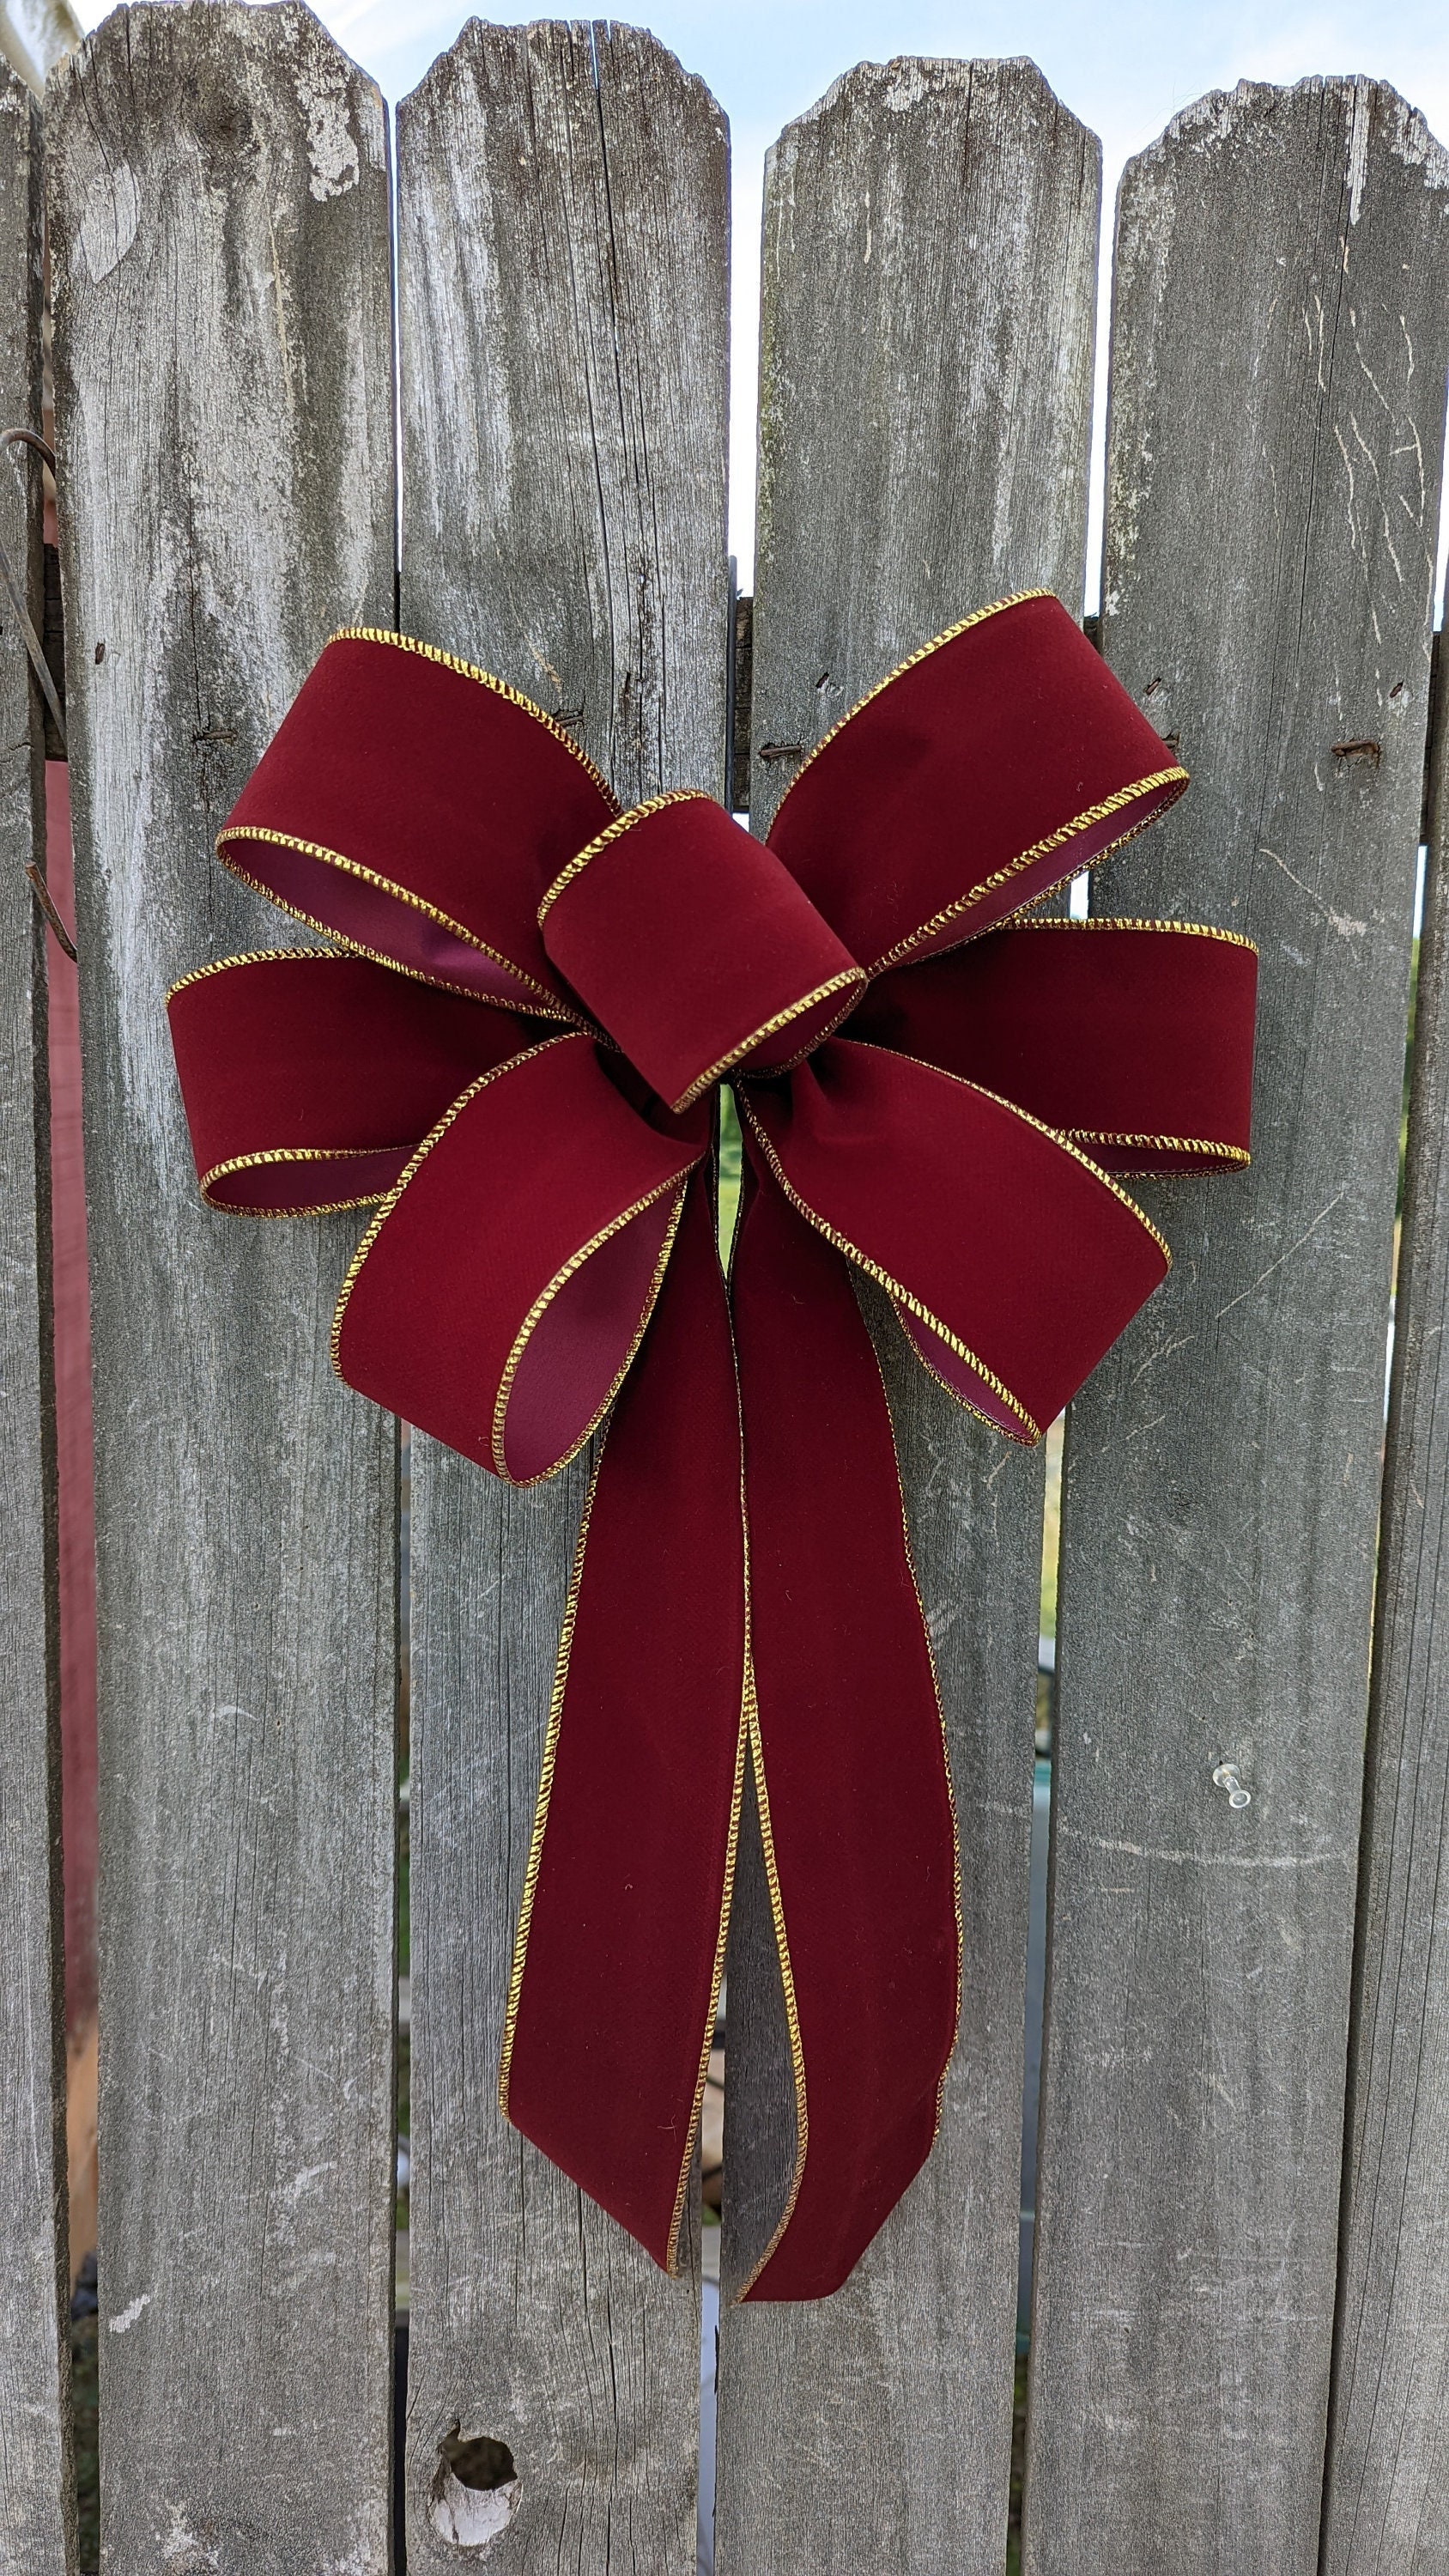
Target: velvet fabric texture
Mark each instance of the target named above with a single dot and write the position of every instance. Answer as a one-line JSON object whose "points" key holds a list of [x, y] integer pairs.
{"points": [[511, 1052]]}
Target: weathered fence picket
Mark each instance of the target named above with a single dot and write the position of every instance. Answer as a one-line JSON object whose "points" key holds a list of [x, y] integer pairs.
{"points": [[1280, 334], [1224, 1982], [563, 197], [220, 271], [1387, 2504], [924, 425], [36, 2516]]}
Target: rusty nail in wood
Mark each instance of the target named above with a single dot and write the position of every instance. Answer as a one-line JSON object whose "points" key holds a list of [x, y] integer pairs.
{"points": [[46, 902]]}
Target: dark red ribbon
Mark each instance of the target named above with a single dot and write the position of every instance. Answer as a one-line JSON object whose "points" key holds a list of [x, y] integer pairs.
{"points": [[512, 1054]]}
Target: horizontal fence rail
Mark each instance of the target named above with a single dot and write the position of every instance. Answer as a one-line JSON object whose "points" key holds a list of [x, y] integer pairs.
{"points": [[1240, 2329]]}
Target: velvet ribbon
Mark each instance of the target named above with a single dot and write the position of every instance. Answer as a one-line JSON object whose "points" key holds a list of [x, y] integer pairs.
{"points": [[511, 1052]]}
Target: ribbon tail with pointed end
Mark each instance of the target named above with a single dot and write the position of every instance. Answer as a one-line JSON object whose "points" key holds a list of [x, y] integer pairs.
{"points": [[621, 1934], [850, 1775]]}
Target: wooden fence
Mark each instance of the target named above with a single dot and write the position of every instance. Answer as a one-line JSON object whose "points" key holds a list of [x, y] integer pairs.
{"points": [[1240, 2330]]}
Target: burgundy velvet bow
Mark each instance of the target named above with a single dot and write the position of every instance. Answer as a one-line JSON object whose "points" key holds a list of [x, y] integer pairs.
{"points": [[514, 1056]]}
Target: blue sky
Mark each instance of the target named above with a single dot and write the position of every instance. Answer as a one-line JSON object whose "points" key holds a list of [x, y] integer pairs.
{"points": [[1123, 66]]}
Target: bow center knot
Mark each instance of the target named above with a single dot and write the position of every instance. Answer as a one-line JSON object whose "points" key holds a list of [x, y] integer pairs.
{"points": [[694, 948]]}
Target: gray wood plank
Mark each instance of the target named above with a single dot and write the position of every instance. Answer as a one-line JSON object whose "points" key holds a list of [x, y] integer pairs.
{"points": [[929, 283], [37, 2536], [220, 258], [563, 277], [1387, 2501], [1279, 349]]}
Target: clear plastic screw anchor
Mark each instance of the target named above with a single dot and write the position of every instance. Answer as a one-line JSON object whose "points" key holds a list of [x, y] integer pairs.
{"points": [[1226, 1777]]}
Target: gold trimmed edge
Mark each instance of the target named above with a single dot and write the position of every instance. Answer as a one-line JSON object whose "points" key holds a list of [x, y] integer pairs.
{"points": [[485, 679], [1110, 921], [615, 831], [902, 1296], [727, 1892], [294, 1154], [787, 1982], [922, 653], [545, 1791], [357, 948], [1059, 1136], [853, 976], [434, 1135], [1176, 777], [941, 1716], [1237, 1155], [547, 1007], [1004, 1430], [252, 957], [539, 1308]]}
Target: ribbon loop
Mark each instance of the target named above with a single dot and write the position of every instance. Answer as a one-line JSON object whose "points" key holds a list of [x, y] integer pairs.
{"points": [[311, 1079], [998, 761], [1134, 1038], [1012, 1261], [694, 947], [417, 809], [503, 1288]]}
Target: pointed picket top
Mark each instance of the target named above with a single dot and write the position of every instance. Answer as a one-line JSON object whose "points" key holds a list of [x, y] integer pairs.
{"points": [[220, 265], [1280, 333]]}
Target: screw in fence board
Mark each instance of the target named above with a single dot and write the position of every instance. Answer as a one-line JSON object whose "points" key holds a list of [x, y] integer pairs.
{"points": [[929, 284], [1278, 363], [563, 197], [37, 2533], [220, 261], [1387, 2499]]}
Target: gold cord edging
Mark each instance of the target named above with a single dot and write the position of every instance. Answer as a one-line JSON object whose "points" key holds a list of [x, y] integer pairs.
{"points": [[545, 1791], [253, 957], [1114, 804], [540, 1306], [386, 1205], [615, 831], [787, 1982], [1110, 921], [853, 976], [547, 1007], [900, 1295], [295, 1154], [732, 1844], [485, 679], [1059, 1136], [941, 1718], [922, 653], [1205, 1145]]}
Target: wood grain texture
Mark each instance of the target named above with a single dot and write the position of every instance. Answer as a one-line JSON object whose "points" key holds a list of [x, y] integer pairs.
{"points": [[1279, 345], [1387, 2503], [37, 2535], [219, 251], [563, 282], [929, 281]]}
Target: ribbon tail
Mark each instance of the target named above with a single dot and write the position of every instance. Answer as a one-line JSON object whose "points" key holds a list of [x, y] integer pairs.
{"points": [[620, 1944], [849, 1760]]}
